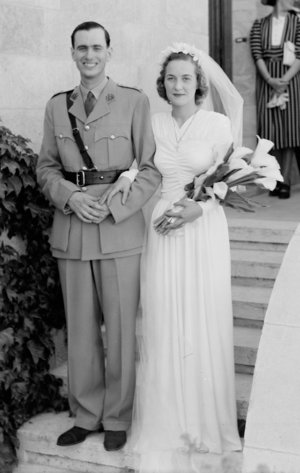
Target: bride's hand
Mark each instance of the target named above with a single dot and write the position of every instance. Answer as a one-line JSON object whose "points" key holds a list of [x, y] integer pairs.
{"points": [[122, 185], [188, 210]]}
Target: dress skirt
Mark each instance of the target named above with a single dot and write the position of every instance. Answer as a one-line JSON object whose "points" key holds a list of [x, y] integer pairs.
{"points": [[185, 395]]}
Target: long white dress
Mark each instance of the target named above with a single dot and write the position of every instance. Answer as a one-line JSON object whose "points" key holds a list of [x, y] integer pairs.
{"points": [[185, 395]]}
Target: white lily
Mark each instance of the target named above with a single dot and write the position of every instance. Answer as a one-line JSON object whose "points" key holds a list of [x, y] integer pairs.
{"points": [[262, 148], [266, 182], [220, 189], [272, 173], [239, 153], [267, 161], [238, 163]]}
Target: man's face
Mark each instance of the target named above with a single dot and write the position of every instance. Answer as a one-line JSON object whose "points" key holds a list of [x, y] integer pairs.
{"points": [[91, 54]]}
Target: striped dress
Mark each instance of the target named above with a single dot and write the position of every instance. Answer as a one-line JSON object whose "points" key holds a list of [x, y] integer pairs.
{"points": [[280, 126]]}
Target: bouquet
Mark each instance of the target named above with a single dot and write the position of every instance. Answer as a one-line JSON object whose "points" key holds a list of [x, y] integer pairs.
{"points": [[227, 180]]}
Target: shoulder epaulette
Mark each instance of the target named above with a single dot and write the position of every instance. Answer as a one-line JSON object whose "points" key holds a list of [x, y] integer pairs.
{"points": [[62, 92], [130, 87]]}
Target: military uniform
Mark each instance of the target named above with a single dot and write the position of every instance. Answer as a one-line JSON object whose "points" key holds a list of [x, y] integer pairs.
{"points": [[99, 263]]}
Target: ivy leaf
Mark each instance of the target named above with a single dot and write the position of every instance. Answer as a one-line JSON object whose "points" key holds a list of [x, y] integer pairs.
{"points": [[6, 337], [9, 205], [19, 389], [9, 164], [34, 209], [12, 295], [37, 351], [15, 184], [28, 181]]}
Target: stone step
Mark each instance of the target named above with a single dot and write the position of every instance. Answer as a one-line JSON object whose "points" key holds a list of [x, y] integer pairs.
{"points": [[38, 447], [250, 305], [255, 265], [243, 385], [261, 246], [38, 468], [38, 452], [261, 231], [246, 341], [252, 282]]}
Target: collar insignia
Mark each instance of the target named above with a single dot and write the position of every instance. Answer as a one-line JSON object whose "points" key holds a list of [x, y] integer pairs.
{"points": [[74, 95], [109, 97]]}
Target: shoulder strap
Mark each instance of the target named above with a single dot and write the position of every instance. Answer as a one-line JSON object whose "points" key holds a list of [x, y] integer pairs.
{"points": [[129, 87], [62, 92], [85, 155]]}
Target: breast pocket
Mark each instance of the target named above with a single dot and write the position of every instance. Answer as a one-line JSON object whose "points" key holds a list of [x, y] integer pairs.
{"points": [[113, 147], [67, 147]]}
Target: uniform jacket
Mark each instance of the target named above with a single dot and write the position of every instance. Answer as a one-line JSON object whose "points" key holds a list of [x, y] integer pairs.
{"points": [[116, 132]]}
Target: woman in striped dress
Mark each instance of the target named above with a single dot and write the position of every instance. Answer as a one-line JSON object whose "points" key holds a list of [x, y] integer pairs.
{"points": [[279, 124]]}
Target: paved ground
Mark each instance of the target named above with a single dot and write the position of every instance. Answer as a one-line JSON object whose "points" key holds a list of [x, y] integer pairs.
{"points": [[276, 209]]}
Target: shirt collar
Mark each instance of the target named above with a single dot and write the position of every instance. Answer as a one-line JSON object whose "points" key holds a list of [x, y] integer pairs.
{"points": [[96, 90]]}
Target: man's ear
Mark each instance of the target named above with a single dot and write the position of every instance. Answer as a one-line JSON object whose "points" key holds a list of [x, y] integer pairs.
{"points": [[72, 53], [109, 53]]}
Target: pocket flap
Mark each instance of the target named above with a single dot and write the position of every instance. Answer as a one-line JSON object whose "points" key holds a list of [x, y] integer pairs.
{"points": [[112, 133]]}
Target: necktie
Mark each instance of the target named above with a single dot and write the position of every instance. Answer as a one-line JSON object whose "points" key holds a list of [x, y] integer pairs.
{"points": [[89, 103]]}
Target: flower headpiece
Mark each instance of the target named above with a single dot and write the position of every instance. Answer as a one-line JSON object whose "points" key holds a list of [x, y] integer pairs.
{"points": [[184, 48]]}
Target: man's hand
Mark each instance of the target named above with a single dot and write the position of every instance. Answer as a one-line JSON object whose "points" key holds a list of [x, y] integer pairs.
{"points": [[122, 185], [103, 213], [87, 207]]}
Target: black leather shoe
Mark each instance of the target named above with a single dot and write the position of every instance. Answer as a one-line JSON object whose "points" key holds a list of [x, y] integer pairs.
{"points": [[74, 436], [114, 439], [285, 191]]}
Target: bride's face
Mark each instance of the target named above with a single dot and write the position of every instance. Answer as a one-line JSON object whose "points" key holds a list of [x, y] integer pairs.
{"points": [[180, 82]]}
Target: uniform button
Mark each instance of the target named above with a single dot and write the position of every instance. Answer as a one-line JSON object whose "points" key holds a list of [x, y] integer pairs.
{"points": [[112, 137], [86, 127], [60, 136], [86, 147], [101, 177]]}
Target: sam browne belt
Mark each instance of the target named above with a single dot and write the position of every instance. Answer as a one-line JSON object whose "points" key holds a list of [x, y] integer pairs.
{"points": [[90, 175]]}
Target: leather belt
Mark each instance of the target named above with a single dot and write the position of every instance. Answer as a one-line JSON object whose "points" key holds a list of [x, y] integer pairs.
{"points": [[87, 178]]}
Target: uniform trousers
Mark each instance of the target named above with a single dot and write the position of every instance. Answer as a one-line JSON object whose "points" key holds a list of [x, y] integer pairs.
{"points": [[101, 390]]}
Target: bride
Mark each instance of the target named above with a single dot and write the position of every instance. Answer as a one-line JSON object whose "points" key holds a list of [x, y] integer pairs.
{"points": [[185, 394]]}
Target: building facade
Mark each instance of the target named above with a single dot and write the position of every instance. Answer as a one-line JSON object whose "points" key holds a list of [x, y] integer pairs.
{"points": [[36, 61]]}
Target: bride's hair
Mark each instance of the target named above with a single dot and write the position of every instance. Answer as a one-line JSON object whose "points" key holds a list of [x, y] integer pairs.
{"points": [[202, 87]]}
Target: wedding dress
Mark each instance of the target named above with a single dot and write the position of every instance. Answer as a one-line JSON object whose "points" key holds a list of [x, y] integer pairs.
{"points": [[185, 395]]}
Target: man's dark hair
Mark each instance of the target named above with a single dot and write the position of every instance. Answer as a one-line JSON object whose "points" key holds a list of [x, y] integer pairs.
{"points": [[89, 25]]}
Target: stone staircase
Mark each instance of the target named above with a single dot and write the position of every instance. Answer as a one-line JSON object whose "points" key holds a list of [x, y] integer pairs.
{"points": [[257, 251]]}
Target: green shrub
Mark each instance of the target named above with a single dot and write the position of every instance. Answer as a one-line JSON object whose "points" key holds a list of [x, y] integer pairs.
{"points": [[30, 298]]}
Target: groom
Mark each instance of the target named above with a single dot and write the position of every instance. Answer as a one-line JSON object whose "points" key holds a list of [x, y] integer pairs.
{"points": [[91, 135]]}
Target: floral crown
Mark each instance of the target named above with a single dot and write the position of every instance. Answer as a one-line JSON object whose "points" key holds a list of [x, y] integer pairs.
{"points": [[181, 48]]}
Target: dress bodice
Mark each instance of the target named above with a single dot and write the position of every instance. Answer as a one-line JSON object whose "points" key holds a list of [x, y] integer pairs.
{"points": [[182, 153]]}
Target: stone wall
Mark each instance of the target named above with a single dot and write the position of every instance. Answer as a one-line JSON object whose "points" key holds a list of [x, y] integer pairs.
{"points": [[272, 437], [35, 49], [243, 15]]}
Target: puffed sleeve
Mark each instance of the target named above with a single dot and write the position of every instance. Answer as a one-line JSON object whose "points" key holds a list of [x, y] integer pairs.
{"points": [[255, 41]]}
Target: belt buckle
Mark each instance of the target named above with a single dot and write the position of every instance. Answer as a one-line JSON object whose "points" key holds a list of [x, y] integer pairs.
{"points": [[80, 178]]}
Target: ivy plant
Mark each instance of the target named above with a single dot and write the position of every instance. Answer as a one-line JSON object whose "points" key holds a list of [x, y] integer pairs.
{"points": [[30, 295]]}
